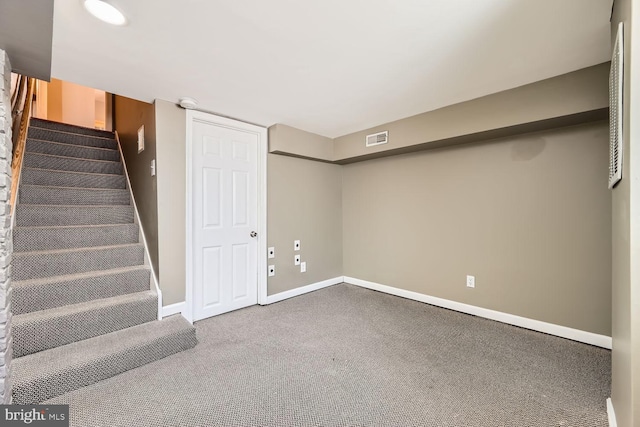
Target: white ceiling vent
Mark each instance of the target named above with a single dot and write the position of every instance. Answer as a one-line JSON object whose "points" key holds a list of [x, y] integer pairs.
{"points": [[377, 138], [616, 78]]}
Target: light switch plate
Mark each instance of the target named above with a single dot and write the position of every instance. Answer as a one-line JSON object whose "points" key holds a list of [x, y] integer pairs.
{"points": [[296, 245], [141, 139], [272, 270], [303, 267], [271, 252], [296, 260]]}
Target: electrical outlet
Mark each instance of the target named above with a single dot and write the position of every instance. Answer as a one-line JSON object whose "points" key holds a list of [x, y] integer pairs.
{"points": [[296, 260], [296, 245], [271, 252], [153, 167], [272, 270], [471, 281], [303, 267]]}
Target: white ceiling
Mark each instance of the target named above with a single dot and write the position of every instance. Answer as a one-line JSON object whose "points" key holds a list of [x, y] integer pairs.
{"points": [[332, 66]]}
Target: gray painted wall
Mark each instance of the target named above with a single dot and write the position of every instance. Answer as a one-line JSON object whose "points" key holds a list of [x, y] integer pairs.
{"points": [[529, 216], [171, 168], [569, 94], [289, 140], [625, 387], [129, 116], [304, 203], [573, 98]]}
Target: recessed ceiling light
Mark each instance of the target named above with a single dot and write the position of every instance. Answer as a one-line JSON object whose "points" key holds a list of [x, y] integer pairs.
{"points": [[105, 12]]}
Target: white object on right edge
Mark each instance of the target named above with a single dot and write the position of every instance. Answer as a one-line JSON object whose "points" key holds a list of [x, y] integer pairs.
{"points": [[616, 128]]}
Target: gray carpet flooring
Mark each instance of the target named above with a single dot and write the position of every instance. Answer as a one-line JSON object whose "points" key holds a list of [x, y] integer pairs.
{"points": [[347, 356]]}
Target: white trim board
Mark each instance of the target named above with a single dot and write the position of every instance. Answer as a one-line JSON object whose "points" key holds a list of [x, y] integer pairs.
{"points": [[511, 319], [301, 290], [138, 222], [180, 307], [170, 310], [611, 414]]}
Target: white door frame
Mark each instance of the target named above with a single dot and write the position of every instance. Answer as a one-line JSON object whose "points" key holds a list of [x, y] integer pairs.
{"points": [[262, 202]]}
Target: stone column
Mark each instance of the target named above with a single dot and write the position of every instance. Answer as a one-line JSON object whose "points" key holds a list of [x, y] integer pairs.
{"points": [[6, 243]]}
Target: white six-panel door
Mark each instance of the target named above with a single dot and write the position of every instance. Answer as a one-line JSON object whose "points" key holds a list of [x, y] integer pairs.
{"points": [[225, 198]]}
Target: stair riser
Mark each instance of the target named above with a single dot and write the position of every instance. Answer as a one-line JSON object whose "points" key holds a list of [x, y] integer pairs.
{"points": [[41, 161], [48, 332], [68, 150], [63, 127], [72, 139], [72, 196], [42, 239], [68, 179], [70, 215], [102, 368], [35, 265], [27, 299]]}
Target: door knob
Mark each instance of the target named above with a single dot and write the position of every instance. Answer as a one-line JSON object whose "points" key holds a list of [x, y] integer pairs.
{"points": [[253, 234]]}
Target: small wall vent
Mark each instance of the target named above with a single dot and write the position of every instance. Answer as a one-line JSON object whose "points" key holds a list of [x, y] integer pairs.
{"points": [[616, 79], [377, 138]]}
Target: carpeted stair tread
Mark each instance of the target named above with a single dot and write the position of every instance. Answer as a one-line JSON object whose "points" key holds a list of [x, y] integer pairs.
{"points": [[56, 291], [35, 176], [34, 214], [41, 238], [70, 150], [77, 139], [45, 329], [65, 127], [48, 161], [50, 373], [48, 195], [37, 264]]}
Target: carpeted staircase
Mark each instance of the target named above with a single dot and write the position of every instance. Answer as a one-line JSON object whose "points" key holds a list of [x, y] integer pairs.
{"points": [[82, 302]]}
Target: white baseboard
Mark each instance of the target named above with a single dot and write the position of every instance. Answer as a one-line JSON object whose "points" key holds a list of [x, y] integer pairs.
{"points": [[523, 322], [179, 307], [169, 310], [611, 414], [303, 290]]}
